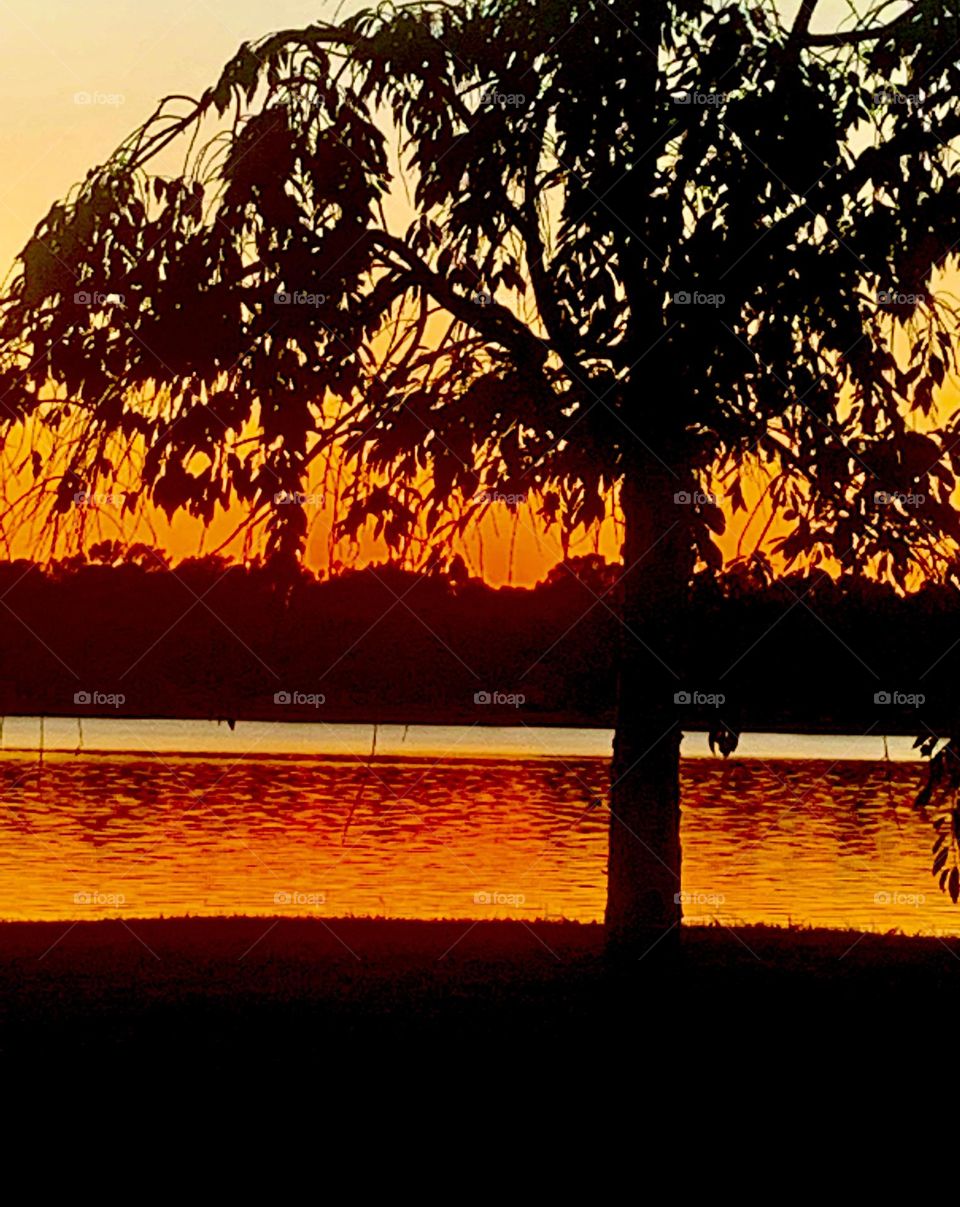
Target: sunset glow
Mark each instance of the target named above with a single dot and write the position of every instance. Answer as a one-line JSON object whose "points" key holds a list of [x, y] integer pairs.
{"points": [[479, 534]]}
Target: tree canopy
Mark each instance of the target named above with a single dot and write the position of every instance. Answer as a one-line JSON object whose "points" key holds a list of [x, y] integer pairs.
{"points": [[491, 249]]}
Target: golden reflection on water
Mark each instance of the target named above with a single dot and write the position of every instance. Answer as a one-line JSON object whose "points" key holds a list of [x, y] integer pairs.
{"points": [[803, 841]]}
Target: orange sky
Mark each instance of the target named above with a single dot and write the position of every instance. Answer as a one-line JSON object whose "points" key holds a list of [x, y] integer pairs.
{"points": [[74, 80]]}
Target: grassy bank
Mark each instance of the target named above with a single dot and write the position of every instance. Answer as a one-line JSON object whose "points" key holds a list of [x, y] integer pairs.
{"points": [[222, 990]]}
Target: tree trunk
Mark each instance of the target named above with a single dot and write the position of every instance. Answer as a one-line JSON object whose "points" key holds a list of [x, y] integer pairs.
{"points": [[643, 892]]}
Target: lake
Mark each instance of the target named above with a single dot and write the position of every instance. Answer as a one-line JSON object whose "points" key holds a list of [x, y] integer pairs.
{"points": [[141, 818]]}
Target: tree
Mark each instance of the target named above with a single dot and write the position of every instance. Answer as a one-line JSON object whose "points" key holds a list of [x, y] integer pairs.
{"points": [[649, 248]]}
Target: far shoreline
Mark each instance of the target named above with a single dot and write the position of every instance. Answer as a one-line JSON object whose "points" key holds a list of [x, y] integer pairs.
{"points": [[372, 742]]}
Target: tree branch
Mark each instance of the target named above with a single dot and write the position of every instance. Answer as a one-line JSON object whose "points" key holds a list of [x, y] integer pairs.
{"points": [[493, 320], [527, 220], [855, 37], [833, 191], [801, 26]]}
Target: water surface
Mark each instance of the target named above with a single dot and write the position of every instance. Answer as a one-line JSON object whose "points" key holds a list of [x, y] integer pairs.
{"points": [[458, 824]]}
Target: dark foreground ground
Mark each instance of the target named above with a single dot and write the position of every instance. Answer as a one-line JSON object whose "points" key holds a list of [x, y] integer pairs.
{"points": [[156, 996]]}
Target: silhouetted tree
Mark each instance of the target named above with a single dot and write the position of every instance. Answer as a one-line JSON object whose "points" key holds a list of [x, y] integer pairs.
{"points": [[106, 553], [140, 554], [649, 246]]}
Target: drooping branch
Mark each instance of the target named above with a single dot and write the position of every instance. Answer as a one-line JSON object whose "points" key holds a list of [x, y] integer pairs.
{"points": [[241, 72]]}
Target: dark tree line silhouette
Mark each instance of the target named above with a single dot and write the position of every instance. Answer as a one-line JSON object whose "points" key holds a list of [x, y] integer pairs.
{"points": [[805, 651]]}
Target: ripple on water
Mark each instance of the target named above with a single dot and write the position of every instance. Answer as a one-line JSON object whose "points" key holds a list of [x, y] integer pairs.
{"points": [[804, 841]]}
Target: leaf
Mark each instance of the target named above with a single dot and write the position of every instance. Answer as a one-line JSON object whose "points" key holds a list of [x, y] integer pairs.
{"points": [[714, 518], [44, 274]]}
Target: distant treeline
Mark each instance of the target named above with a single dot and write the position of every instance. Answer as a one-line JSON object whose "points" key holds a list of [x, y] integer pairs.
{"points": [[210, 639]]}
